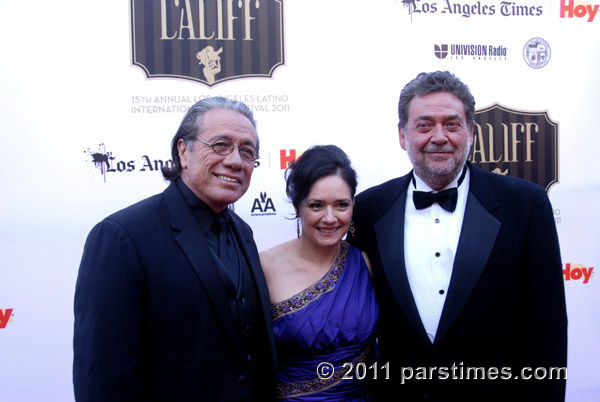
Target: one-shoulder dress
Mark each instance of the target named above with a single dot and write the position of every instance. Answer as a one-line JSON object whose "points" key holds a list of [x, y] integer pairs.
{"points": [[325, 335]]}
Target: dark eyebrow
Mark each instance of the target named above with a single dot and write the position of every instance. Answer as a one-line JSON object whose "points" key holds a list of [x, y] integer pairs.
{"points": [[424, 117], [321, 201], [446, 117]]}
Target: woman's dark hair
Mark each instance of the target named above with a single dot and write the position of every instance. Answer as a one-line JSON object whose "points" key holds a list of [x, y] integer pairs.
{"points": [[316, 162]]}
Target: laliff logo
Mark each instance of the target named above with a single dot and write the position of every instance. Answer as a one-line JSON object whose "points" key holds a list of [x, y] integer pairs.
{"points": [[568, 9], [536, 53], [518, 143], [264, 206], [287, 156], [207, 41], [477, 52], [440, 51], [104, 161], [5, 317], [577, 272]]}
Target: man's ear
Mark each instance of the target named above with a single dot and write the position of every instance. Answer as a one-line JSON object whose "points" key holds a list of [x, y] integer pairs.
{"points": [[402, 137], [182, 149], [471, 130]]}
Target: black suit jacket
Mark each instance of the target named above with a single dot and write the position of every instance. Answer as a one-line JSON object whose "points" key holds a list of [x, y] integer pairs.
{"points": [[152, 319], [505, 305]]}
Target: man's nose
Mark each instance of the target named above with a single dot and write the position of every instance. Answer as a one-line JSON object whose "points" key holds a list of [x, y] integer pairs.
{"points": [[438, 134], [234, 159]]}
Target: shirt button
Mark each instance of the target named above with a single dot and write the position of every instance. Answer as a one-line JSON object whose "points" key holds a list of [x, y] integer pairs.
{"points": [[242, 378], [441, 291], [437, 254], [437, 220]]}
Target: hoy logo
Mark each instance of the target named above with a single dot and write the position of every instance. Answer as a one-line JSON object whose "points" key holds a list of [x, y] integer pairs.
{"points": [[288, 156], [577, 272], [5, 317], [568, 9], [521, 144], [207, 41]]}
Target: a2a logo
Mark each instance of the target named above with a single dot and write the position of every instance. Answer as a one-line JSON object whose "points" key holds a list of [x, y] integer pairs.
{"points": [[263, 204], [5, 317]]}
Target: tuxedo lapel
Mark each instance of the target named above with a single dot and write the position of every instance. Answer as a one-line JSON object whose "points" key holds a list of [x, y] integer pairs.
{"points": [[192, 241], [390, 241], [477, 237]]}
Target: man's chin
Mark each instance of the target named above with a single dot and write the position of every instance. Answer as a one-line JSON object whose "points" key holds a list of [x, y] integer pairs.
{"points": [[444, 169], [230, 197]]}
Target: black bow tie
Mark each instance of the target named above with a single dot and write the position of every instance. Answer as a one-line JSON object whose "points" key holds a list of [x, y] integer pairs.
{"points": [[446, 199]]}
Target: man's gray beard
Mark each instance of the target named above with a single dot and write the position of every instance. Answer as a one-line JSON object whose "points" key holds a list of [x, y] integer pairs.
{"points": [[438, 178]]}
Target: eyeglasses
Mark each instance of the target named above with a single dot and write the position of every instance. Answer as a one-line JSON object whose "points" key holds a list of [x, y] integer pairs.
{"points": [[223, 146]]}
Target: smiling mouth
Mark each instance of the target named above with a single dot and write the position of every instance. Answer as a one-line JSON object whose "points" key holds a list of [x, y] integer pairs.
{"points": [[440, 155], [327, 230], [438, 151], [227, 179]]}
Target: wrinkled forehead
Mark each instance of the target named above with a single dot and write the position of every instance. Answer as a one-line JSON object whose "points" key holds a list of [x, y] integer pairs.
{"points": [[436, 104], [225, 123]]}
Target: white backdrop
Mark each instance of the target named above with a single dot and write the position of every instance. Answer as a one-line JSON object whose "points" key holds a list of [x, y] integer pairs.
{"points": [[69, 91]]}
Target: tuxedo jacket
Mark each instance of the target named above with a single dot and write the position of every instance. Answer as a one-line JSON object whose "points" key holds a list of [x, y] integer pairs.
{"points": [[152, 317], [505, 306]]}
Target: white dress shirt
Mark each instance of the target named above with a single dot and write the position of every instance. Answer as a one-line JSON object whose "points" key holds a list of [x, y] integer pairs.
{"points": [[430, 240]]}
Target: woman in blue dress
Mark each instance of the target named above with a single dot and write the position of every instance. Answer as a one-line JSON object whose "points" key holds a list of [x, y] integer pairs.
{"points": [[322, 300]]}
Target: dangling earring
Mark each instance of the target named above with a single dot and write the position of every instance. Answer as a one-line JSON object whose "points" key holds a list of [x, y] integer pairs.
{"points": [[298, 227], [351, 230]]}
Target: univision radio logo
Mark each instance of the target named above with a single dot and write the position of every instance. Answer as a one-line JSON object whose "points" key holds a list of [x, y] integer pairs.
{"points": [[577, 272], [5, 317], [467, 51], [207, 41]]}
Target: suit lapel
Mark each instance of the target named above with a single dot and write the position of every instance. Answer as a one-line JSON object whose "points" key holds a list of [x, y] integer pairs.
{"points": [[390, 241], [249, 251], [191, 239], [477, 237]]}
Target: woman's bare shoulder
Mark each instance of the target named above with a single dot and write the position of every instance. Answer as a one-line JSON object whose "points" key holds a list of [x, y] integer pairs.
{"points": [[277, 257]]}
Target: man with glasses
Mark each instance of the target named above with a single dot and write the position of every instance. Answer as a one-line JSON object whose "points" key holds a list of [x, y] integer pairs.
{"points": [[171, 303]]}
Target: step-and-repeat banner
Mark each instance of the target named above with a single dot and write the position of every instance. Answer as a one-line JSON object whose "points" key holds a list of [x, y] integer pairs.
{"points": [[91, 94]]}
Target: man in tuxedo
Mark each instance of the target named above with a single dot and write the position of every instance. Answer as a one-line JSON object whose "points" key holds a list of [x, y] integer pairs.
{"points": [[466, 265], [171, 303]]}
